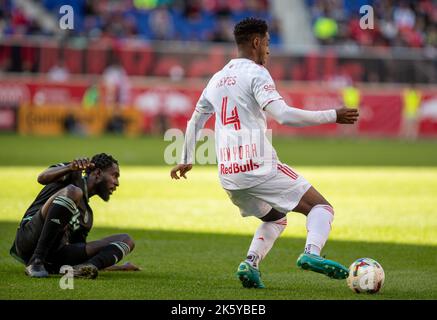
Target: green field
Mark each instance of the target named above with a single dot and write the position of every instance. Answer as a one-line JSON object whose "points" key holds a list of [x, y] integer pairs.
{"points": [[190, 238]]}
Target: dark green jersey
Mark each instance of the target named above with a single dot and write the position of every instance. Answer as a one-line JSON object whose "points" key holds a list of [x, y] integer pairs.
{"points": [[80, 223]]}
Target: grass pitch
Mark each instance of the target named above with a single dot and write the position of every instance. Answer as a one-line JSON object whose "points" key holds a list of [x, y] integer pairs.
{"points": [[190, 238]]}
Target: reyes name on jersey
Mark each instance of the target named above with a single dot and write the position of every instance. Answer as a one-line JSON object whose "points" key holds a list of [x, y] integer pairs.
{"points": [[237, 95]]}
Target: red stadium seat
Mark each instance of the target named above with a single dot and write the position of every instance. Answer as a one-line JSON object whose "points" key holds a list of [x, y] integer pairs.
{"points": [[297, 72], [217, 57], [164, 66], [96, 58], [73, 60], [354, 70], [49, 57], [330, 65], [136, 61], [277, 70], [312, 67], [5, 53], [199, 68]]}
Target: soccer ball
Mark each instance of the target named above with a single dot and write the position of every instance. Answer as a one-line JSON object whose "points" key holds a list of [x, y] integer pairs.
{"points": [[365, 276]]}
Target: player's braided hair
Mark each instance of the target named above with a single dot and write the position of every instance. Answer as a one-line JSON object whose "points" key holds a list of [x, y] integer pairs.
{"points": [[246, 28], [102, 161]]}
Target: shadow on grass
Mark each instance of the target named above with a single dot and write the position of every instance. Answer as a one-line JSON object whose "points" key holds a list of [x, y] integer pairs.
{"points": [[188, 265]]}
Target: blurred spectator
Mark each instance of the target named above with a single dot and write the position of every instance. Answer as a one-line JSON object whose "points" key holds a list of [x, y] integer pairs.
{"points": [[397, 22], [275, 32], [91, 97], [59, 72], [187, 20], [161, 24], [411, 98], [73, 126], [388, 28], [223, 30], [403, 16], [190, 20], [325, 29], [116, 85], [363, 37], [431, 36], [116, 124], [351, 97]]}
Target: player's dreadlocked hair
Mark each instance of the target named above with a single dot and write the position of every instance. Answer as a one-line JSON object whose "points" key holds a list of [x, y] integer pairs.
{"points": [[245, 29], [102, 161]]}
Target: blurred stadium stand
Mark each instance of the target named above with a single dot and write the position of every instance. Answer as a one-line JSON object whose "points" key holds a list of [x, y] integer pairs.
{"points": [[399, 23], [193, 20], [129, 51]]}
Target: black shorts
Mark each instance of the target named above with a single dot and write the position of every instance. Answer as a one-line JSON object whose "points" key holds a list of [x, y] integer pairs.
{"points": [[62, 254]]}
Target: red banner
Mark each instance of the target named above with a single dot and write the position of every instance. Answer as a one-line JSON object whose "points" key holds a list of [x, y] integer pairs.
{"points": [[169, 105]]}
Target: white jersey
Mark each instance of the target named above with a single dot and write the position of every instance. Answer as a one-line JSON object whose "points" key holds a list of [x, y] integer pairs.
{"points": [[237, 95]]}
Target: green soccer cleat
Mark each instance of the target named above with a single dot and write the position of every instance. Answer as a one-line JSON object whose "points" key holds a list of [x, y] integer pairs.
{"points": [[319, 264], [249, 276]]}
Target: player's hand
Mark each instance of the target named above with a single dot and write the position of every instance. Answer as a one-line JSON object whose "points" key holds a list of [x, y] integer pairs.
{"points": [[182, 168], [124, 267], [347, 115], [81, 164]]}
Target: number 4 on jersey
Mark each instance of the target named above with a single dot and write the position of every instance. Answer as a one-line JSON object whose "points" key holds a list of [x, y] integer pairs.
{"points": [[233, 119]]}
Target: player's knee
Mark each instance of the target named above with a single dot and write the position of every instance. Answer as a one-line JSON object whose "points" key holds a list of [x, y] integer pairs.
{"points": [[129, 241], [330, 209], [326, 207], [74, 193], [281, 223]]}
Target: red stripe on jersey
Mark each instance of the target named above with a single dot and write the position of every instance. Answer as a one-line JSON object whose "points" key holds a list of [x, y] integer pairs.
{"points": [[224, 103], [286, 173], [237, 124], [290, 170], [289, 173]]}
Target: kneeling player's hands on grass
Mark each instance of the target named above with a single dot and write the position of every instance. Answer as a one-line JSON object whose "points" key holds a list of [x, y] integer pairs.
{"points": [[347, 116], [182, 168], [81, 164]]}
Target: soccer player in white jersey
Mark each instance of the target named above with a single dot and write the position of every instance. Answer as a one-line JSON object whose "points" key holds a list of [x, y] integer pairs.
{"points": [[240, 95]]}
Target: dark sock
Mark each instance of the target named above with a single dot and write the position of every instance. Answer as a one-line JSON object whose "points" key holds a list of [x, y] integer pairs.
{"points": [[110, 255], [58, 216]]}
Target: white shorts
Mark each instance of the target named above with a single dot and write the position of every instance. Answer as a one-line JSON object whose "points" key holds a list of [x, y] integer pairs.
{"points": [[282, 192]]}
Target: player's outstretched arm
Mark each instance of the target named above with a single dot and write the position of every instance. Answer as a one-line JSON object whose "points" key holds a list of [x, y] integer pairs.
{"points": [[347, 116], [295, 117], [53, 174], [196, 123]]}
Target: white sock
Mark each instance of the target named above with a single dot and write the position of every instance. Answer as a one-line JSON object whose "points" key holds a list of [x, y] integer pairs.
{"points": [[263, 240], [318, 227]]}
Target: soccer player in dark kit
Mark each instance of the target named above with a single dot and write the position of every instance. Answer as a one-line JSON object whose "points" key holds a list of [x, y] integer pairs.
{"points": [[54, 228]]}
